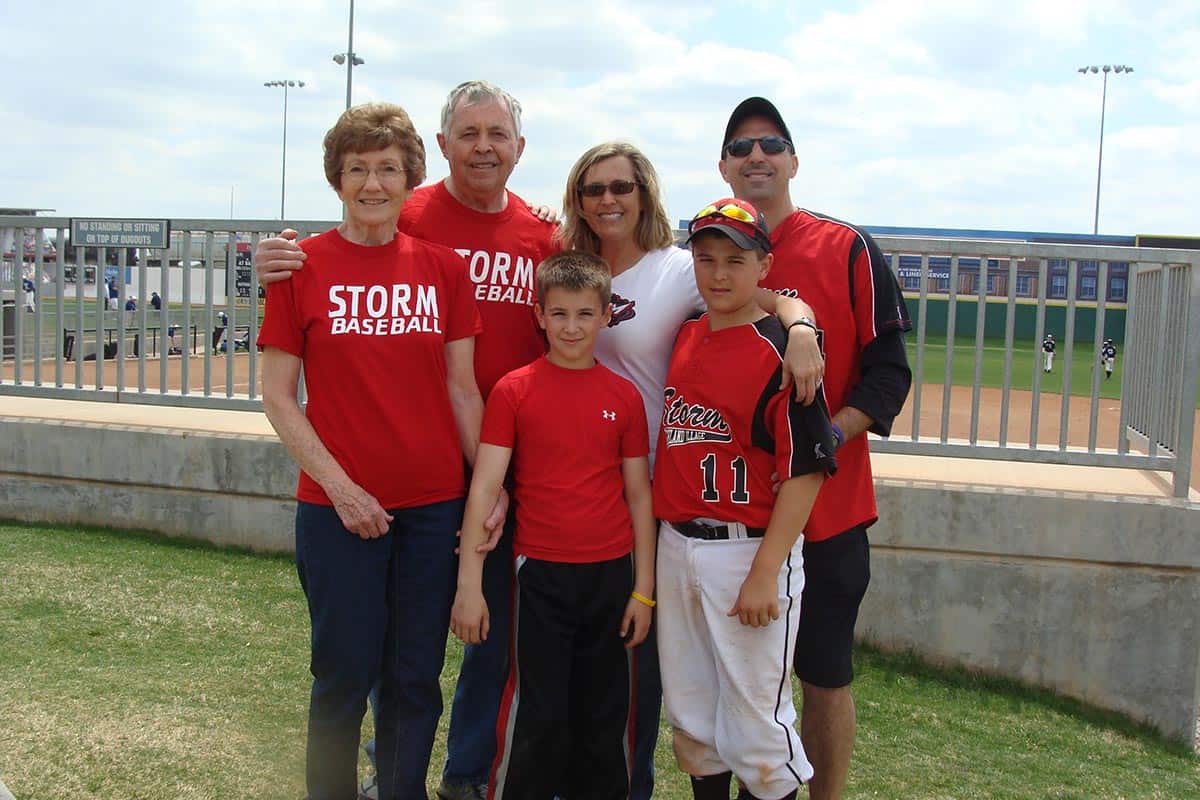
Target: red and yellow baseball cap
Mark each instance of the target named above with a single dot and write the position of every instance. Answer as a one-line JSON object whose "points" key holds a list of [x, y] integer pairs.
{"points": [[737, 219]]}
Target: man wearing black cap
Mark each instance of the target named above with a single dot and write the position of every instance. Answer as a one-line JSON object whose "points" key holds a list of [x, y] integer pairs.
{"points": [[843, 275]]}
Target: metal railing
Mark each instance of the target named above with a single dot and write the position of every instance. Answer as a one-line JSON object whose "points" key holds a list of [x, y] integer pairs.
{"points": [[1159, 342], [74, 346]]}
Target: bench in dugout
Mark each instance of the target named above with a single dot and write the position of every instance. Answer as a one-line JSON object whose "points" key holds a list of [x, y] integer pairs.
{"points": [[133, 346]]}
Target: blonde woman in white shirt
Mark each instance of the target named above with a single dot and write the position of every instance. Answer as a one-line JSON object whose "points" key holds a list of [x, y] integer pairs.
{"points": [[613, 207]]}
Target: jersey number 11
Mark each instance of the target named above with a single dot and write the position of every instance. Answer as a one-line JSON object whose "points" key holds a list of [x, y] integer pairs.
{"points": [[708, 468]]}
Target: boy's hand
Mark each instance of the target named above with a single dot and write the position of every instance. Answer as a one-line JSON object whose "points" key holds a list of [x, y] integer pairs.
{"points": [[803, 363], [276, 257], [494, 524], [757, 601], [636, 623], [469, 616]]}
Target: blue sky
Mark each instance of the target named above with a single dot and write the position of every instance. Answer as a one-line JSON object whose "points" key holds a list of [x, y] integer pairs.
{"points": [[940, 114]]}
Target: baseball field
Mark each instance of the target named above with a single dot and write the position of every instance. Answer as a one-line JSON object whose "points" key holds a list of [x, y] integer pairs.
{"points": [[220, 374]]}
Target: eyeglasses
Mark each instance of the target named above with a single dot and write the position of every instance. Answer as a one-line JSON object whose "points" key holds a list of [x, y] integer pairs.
{"points": [[616, 187], [385, 173], [727, 210], [771, 145]]}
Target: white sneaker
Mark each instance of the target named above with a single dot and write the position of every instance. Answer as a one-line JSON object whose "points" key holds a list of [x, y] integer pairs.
{"points": [[370, 788]]}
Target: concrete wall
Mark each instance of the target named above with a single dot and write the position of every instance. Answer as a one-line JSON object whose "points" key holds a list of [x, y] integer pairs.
{"points": [[1097, 597], [224, 489]]}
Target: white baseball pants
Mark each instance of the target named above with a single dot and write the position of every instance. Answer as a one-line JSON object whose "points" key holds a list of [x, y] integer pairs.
{"points": [[727, 687]]}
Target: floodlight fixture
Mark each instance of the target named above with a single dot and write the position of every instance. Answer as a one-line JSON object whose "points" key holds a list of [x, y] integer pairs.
{"points": [[1105, 68]]}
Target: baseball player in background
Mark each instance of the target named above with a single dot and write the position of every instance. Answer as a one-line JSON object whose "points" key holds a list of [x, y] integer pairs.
{"points": [[730, 563], [220, 338], [1048, 352], [114, 295], [1108, 357]]}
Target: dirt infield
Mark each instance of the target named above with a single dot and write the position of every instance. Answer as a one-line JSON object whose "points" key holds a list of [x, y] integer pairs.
{"points": [[1079, 418], [123, 376]]}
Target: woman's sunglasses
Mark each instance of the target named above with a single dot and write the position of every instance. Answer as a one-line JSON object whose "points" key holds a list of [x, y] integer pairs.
{"points": [[771, 145], [616, 187]]}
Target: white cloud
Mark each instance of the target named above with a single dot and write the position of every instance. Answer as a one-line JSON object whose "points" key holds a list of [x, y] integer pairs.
{"points": [[923, 113]]}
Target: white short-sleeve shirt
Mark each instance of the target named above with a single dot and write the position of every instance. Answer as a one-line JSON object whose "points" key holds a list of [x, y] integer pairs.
{"points": [[651, 300]]}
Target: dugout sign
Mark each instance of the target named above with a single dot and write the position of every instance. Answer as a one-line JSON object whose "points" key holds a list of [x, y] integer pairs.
{"points": [[153, 233]]}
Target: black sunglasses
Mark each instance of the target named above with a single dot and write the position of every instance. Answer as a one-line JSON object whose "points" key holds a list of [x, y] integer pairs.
{"points": [[616, 187], [771, 145]]}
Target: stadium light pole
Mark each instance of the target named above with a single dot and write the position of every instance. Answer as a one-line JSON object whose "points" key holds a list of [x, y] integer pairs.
{"points": [[1105, 68], [283, 178], [348, 58]]}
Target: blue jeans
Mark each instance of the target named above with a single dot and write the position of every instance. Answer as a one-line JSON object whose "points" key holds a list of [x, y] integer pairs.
{"points": [[380, 610], [471, 741]]}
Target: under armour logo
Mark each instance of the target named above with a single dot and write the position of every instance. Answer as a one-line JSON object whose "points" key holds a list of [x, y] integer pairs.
{"points": [[609, 414]]}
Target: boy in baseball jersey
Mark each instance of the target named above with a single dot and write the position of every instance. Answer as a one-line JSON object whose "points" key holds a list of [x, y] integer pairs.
{"points": [[577, 438], [730, 565], [1048, 352]]}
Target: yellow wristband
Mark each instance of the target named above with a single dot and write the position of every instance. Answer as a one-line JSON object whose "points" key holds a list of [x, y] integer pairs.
{"points": [[646, 601]]}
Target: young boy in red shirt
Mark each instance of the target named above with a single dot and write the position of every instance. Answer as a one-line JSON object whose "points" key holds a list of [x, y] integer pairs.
{"points": [[577, 437], [730, 565]]}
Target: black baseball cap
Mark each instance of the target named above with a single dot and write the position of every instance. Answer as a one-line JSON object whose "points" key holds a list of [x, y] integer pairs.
{"points": [[754, 107]]}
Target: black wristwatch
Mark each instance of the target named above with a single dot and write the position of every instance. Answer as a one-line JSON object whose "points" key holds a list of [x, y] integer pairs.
{"points": [[806, 322]]}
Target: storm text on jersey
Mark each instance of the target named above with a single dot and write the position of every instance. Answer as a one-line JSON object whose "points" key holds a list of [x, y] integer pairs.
{"points": [[383, 310], [685, 423], [500, 277]]}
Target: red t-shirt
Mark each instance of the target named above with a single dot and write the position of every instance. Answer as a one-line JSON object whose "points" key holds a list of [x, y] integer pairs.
{"points": [[570, 429], [839, 271], [502, 252], [371, 325], [726, 426]]}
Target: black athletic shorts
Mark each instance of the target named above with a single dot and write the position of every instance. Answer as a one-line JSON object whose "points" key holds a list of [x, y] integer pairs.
{"points": [[836, 573]]}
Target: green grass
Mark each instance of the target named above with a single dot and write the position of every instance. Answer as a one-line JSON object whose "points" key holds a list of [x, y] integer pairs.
{"points": [[175, 315], [137, 667], [1025, 358], [196, 317]]}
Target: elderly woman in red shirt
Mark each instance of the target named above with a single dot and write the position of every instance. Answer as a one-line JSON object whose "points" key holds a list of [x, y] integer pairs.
{"points": [[383, 326]]}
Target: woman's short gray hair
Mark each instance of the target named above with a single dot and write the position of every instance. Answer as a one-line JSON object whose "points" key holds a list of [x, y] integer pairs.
{"points": [[476, 92]]}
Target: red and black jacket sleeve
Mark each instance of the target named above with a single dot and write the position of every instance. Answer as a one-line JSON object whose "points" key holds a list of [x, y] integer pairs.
{"points": [[882, 319]]}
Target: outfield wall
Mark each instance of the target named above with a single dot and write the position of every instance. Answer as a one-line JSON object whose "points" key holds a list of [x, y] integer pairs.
{"points": [[1024, 319], [1093, 596]]}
